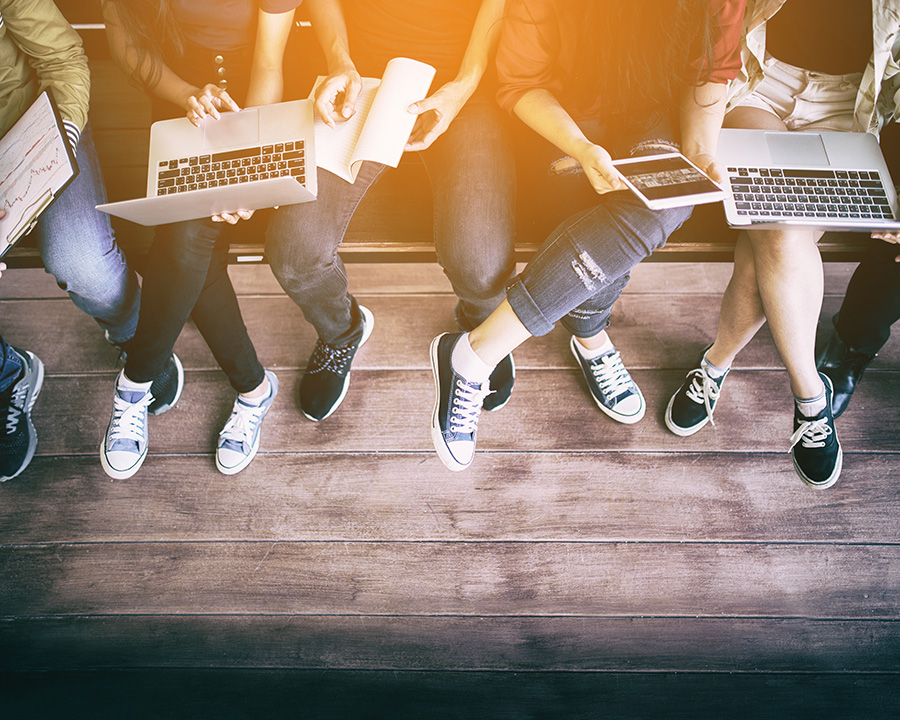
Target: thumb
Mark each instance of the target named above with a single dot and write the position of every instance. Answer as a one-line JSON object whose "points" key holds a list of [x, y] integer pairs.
{"points": [[422, 106]]}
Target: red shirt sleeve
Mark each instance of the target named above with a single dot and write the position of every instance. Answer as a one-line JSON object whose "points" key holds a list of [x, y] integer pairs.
{"points": [[527, 55], [275, 7], [727, 24]]}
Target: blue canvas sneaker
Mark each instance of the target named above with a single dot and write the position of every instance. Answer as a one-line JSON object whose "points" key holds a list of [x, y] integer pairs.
{"points": [[611, 386], [124, 446], [457, 406], [239, 439]]}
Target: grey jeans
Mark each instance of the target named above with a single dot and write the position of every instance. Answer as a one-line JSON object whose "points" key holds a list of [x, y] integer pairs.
{"points": [[472, 176], [585, 263]]}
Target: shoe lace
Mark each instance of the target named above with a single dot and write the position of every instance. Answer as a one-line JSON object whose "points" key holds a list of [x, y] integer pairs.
{"points": [[15, 406], [703, 390], [812, 433], [611, 375], [243, 423], [327, 357], [466, 407], [128, 418]]}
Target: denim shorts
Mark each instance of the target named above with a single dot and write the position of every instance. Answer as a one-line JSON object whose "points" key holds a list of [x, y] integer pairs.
{"points": [[806, 100]]}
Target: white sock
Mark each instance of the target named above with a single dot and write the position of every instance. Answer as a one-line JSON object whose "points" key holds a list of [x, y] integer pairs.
{"points": [[256, 401], [713, 371], [810, 407], [124, 383], [465, 362], [589, 354]]}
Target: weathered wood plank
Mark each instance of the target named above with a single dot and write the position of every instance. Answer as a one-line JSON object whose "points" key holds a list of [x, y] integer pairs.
{"points": [[451, 643], [550, 411], [470, 579], [323, 694], [334, 497], [650, 334]]}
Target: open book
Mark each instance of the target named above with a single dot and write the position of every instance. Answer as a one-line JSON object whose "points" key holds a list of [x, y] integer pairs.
{"points": [[381, 126]]}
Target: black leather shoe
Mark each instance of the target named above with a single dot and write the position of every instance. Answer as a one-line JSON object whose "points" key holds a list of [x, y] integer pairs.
{"points": [[844, 366]]}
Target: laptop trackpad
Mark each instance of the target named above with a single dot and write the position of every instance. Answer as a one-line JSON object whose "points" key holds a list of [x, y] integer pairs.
{"points": [[797, 148], [231, 129]]}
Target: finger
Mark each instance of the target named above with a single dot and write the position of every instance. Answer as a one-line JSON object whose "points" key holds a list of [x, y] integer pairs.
{"points": [[714, 170], [228, 101], [195, 112], [245, 214], [351, 94], [206, 102], [423, 106]]}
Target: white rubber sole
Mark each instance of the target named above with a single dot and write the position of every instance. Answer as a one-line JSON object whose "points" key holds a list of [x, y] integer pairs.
{"points": [[120, 474]]}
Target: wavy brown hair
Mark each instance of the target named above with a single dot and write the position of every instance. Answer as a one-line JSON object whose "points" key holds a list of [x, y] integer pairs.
{"points": [[656, 47], [153, 32]]}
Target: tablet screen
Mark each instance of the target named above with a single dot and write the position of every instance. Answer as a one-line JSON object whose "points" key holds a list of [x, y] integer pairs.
{"points": [[666, 177]]}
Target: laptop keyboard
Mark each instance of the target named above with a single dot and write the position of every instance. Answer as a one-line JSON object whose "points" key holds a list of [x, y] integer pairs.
{"points": [[762, 193], [199, 172]]}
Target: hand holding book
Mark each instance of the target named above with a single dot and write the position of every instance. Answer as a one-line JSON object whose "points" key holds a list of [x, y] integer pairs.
{"points": [[380, 123]]}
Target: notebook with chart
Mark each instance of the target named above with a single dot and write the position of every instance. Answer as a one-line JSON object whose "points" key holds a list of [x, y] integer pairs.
{"points": [[36, 165]]}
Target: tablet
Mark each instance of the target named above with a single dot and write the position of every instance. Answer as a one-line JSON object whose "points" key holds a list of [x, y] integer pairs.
{"points": [[668, 181]]}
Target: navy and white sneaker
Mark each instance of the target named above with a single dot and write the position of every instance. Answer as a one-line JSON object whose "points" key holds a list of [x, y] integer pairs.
{"points": [[502, 379], [692, 405], [18, 439], [815, 448], [124, 446], [611, 386], [457, 406], [327, 377], [239, 439]]}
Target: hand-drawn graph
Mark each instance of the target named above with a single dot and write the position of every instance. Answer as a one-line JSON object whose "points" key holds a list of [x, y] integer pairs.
{"points": [[34, 165]]}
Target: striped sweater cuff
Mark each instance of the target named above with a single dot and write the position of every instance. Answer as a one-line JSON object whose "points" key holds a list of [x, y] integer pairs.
{"points": [[73, 133]]}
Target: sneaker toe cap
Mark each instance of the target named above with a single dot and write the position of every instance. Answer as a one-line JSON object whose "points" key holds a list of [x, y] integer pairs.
{"points": [[462, 451], [229, 458], [123, 460]]}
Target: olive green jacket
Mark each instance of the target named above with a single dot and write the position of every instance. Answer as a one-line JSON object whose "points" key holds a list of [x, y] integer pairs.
{"points": [[38, 50]]}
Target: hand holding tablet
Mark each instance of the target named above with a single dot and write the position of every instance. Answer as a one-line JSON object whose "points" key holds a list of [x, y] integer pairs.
{"points": [[668, 180]]}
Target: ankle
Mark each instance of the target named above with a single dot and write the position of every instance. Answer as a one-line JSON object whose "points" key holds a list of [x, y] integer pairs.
{"points": [[594, 347], [465, 361]]}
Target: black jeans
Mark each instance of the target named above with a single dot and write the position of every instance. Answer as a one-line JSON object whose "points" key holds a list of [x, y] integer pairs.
{"points": [[872, 303], [187, 275]]}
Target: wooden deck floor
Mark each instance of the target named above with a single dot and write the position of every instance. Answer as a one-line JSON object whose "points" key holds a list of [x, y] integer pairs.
{"points": [[579, 569]]}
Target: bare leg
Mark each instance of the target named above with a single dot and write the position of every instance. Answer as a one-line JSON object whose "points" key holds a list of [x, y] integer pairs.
{"points": [[777, 277], [500, 334]]}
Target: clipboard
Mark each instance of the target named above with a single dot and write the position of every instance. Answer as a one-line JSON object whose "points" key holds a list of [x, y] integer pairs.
{"points": [[36, 165]]}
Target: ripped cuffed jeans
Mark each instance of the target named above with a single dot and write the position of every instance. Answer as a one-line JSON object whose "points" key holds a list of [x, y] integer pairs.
{"points": [[585, 263]]}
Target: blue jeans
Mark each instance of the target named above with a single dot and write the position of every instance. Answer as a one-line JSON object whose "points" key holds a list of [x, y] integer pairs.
{"points": [[186, 275], [79, 249], [472, 178], [585, 263]]}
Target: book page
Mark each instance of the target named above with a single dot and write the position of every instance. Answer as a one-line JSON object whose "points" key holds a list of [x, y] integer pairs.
{"points": [[335, 146], [389, 123]]}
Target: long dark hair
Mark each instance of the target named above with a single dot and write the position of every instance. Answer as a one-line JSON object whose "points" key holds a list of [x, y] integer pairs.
{"points": [[154, 34], [652, 47]]}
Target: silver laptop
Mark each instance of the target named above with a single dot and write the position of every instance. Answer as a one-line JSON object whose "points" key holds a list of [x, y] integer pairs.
{"points": [[257, 158], [821, 180]]}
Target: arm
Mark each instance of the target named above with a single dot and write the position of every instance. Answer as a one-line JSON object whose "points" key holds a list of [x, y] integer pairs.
{"points": [[267, 73], [197, 102], [541, 111], [437, 111], [702, 112], [335, 98], [54, 52]]}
